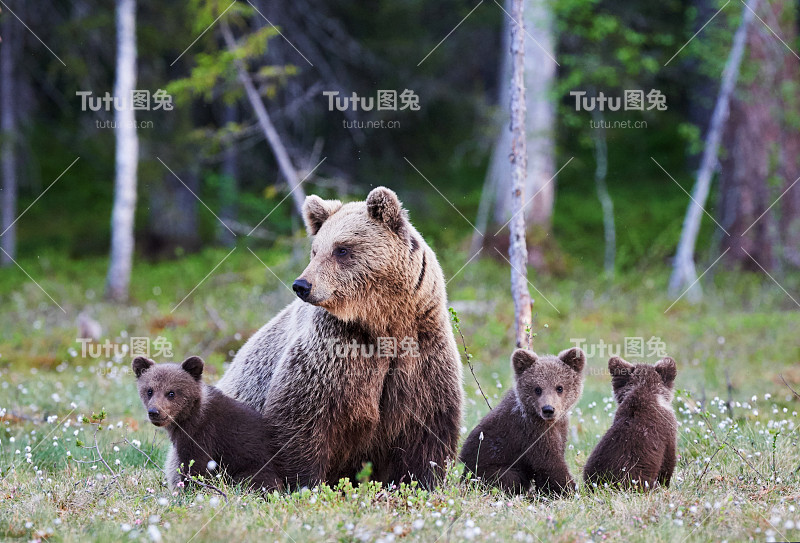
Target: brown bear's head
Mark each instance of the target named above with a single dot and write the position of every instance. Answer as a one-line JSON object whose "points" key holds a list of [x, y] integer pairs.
{"points": [[364, 255], [548, 386], [657, 380], [170, 392]]}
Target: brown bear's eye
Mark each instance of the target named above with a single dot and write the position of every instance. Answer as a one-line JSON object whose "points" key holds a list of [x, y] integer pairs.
{"points": [[149, 392], [341, 252], [559, 389], [538, 391], [170, 394]]}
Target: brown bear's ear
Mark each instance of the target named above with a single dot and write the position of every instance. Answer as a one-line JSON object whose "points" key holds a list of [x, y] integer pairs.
{"points": [[575, 358], [522, 359], [140, 365], [668, 370], [316, 211], [384, 206], [620, 372], [193, 366]]}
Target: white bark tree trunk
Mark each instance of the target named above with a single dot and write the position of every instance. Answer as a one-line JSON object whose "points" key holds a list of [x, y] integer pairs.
{"points": [[606, 203], [8, 239], [127, 156], [540, 118], [540, 73], [284, 162], [684, 273], [518, 250]]}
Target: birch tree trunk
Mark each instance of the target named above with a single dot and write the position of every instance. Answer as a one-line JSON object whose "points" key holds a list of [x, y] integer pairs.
{"points": [[601, 171], [284, 162], [517, 249], [540, 118], [8, 240], [540, 72], [127, 156], [684, 273]]}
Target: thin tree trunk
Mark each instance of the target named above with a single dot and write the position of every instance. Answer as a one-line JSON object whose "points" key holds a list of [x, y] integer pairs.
{"points": [[540, 72], [601, 158], [284, 162], [8, 131], [518, 250], [540, 119], [127, 156], [683, 271]]}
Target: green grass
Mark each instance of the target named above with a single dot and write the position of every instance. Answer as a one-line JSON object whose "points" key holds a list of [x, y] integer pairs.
{"points": [[746, 329]]}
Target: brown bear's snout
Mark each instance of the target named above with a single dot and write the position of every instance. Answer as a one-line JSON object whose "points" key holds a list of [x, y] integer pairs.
{"points": [[548, 411], [154, 415], [302, 288]]}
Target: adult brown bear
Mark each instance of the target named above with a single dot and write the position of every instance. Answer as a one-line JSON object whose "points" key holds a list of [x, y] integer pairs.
{"points": [[364, 366]]}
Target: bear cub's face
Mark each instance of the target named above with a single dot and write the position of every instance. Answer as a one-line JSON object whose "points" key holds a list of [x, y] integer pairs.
{"points": [[548, 386], [169, 392], [659, 379]]}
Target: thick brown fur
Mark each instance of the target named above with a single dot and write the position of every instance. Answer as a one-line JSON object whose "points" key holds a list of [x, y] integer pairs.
{"points": [[204, 425], [522, 441], [639, 450], [372, 276]]}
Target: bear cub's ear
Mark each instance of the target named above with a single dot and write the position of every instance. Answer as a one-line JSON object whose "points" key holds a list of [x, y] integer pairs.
{"points": [[668, 370], [193, 366], [140, 365], [620, 372], [575, 358], [522, 359], [316, 211], [384, 206]]}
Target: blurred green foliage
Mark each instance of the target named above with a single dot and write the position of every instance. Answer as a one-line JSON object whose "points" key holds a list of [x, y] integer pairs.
{"points": [[601, 47]]}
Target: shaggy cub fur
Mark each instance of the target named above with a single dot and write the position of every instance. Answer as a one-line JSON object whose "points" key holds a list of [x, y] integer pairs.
{"points": [[522, 440], [639, 450], [204, 425]]}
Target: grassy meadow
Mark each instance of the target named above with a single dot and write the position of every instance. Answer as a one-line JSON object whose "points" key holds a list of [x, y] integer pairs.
{"points": [[737, 477]]}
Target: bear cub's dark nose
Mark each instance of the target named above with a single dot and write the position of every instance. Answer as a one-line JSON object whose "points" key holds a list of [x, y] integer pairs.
{"points": [[153, 413], [302, 288], [548, 411]]}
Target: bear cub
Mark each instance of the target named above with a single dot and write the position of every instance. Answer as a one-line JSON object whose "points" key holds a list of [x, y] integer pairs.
{"points": [[639, 450], [205, 426], [522, 441]]}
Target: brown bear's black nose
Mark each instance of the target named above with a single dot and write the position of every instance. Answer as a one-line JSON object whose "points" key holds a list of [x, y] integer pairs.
{"points": [[302, 288], [153, 413], [548, 411]]}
